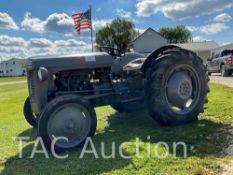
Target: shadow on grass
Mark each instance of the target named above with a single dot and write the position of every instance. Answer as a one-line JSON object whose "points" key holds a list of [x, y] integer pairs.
{"points": [[30, 133], [205, 136]]}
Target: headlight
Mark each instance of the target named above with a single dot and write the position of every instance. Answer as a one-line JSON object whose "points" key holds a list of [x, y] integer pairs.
{"points": [[43, 73]]}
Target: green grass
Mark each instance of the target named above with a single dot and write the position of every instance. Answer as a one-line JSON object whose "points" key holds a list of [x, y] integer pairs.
{"points": [[208, 136], [9, 79]]}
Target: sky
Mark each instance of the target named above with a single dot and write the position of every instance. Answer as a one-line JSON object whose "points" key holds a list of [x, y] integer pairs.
{"points": [[43, 27]]}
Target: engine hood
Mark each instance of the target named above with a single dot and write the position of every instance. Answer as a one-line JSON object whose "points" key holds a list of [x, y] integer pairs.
{"points": [[76, 61]]}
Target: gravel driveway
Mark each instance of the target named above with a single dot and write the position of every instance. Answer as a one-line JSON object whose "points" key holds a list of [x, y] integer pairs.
{"points": [[216, 78]]}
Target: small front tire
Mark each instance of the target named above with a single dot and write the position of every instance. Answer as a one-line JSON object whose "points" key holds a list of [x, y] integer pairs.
{"points": [[70, 117], [28, 114]]}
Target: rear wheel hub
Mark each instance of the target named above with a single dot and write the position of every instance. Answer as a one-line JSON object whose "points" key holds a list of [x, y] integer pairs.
{"points": [[179, 88]]}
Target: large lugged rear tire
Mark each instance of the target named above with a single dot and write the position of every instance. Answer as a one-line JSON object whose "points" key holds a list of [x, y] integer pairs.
{"points": [[69, 117], [176, 87], [28, 114]]}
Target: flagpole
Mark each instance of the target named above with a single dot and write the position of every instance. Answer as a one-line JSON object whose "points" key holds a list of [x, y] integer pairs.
{"points": [[91, 31]]}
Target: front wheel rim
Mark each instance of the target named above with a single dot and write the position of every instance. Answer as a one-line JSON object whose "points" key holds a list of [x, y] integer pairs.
{"points": [[71, 121]]}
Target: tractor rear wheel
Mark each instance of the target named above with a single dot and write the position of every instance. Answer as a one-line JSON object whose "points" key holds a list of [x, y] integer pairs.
{"points": [[176, 88], [69, 120]]}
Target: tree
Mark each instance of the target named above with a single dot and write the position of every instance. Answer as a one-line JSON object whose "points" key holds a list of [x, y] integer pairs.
{"points": [[179, 34], [119, 34]]}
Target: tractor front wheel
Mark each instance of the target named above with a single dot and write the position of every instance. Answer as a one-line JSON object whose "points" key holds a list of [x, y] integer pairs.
{"points": [[176, 88], [66, 123], [30, 117]]}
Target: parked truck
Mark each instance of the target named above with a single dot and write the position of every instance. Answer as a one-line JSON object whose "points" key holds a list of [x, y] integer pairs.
{"points": [[221, 62]]}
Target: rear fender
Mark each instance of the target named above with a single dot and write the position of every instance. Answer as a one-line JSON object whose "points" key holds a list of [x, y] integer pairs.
{"points": [[155, 55]]}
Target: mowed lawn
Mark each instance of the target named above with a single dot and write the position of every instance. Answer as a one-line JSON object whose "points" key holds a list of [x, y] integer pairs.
{"points": [[206, 138], [9, 79]]}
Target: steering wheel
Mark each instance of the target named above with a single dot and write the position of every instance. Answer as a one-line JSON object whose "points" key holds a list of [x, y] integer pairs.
{"points": [[111, 50]]}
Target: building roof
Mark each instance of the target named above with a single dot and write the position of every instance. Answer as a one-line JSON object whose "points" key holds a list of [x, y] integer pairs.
{"points": [[22, 61], [227, 46], [199, 46], [146, 31]]}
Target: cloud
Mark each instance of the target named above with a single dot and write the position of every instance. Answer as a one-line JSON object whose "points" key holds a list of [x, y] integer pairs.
{"points": [[123, 14], [192, 28], [140, 30], [199, 39], [20, 48], [39, 43], [226, 43], [5, 40], [214, 28], [32, 24], [58, 23], [6, 22], [209, 29], [69, 43], [224, 17], [181, 9], [98, 24]]}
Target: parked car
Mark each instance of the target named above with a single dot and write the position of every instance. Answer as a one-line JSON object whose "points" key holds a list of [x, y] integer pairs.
{"points": [[221, 62]]}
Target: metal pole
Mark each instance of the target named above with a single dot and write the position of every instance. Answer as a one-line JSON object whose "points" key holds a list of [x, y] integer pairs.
{"points": [[91, 31], [1, 63]]}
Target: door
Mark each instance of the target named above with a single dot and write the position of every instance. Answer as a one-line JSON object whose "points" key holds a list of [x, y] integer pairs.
{"points": [[216, 62]]}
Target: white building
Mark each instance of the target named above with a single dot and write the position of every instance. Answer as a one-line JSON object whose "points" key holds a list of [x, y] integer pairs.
{"points": [[202, 49], [148, 41], [227, 46], [12, 68], [151, 40]]}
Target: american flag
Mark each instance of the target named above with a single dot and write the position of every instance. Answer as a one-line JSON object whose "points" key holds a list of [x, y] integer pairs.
{"points": [[82, 20]]}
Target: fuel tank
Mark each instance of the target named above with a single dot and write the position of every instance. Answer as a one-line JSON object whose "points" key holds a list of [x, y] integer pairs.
{"points": [[77, 61]]}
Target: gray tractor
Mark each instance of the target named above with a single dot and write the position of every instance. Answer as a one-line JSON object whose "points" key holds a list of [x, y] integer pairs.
{"points": [[171, 83]]}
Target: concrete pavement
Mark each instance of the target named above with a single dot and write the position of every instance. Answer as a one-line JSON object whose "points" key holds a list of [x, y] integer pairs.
{"points": [[227, 81]]}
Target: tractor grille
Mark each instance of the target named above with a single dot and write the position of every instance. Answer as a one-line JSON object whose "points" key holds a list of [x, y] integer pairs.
{"points": [[31, 85]]}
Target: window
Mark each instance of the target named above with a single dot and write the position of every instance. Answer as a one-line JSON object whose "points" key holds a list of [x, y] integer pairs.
{"points": [[13, 62], [227, 53], [7, 71]]}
